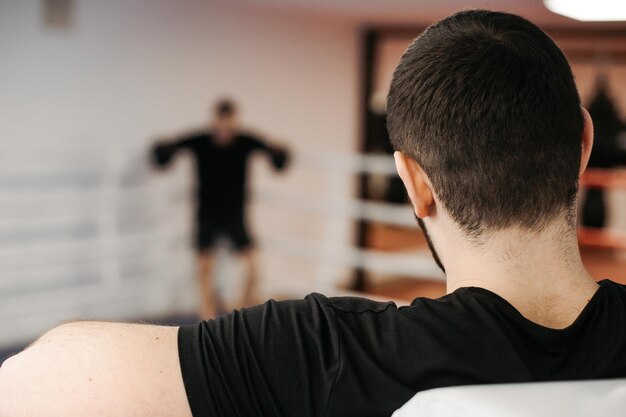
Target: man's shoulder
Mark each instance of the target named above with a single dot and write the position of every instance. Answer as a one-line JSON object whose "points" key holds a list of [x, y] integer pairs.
{"points": [[199, 135], [350, 304], [249, 135], [192, 139], [360, 305], [360, 311], [613, 288], [611, 283], [249, 139]]}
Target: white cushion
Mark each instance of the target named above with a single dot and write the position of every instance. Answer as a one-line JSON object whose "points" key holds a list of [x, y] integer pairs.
{"points": [[554, 399]]}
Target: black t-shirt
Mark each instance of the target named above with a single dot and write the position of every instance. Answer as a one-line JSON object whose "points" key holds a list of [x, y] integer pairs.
{"points": [[221, 170], [349, 356]]}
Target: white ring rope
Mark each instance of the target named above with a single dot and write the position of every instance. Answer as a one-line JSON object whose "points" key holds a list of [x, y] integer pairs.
{"points": [[92, 232]]}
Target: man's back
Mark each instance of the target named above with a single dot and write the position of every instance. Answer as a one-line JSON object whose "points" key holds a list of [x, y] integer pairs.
{"points": [[351, 356]]}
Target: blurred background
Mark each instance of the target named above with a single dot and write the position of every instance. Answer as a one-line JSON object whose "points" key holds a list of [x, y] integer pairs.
{"points": [[90, 230]]}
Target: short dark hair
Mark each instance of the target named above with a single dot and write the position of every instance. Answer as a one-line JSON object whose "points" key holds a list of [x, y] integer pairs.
{"points": [[486, 103], [225, 108]]}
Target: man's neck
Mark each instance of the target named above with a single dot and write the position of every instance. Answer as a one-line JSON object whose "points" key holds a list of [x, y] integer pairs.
{"points": [[541, 274]]}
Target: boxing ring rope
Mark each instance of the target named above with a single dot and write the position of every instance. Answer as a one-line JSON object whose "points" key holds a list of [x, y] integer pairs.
{"points": [[604, 178], [93, 232], [339, 206], [84, 232]]}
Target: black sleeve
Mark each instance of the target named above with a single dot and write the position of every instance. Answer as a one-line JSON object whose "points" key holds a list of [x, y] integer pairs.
{"points": [[163, 152], [279, 156], [275, 359]]}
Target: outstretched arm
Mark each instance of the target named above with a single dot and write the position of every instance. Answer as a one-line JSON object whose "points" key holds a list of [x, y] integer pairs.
{"points": [[163, 151], [279, 156], [98, 370]]}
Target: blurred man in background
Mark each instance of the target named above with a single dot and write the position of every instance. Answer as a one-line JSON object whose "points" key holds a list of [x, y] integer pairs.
{"points": [[221, 155]]}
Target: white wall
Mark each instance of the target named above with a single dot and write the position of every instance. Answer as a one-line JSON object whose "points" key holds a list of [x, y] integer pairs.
{"points": [[129, 70], [91, 227]]}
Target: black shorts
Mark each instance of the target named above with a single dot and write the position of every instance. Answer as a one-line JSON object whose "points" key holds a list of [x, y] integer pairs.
{"points": [[210, 229]]}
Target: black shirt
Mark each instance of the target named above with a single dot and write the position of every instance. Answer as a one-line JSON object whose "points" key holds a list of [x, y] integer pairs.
{"points": [[349, 356], [221, 170]]}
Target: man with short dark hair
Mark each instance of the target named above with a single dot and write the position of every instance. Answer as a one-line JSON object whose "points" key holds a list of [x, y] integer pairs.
{"points": [[221, 155], [490, 142]]}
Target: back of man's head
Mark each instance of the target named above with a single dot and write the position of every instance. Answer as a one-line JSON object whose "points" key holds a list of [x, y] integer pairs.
{"points": [[486, 103]]}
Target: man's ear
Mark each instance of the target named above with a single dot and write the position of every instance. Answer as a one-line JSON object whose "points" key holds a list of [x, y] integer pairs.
{"points": [[587, 140], [416, 184]]}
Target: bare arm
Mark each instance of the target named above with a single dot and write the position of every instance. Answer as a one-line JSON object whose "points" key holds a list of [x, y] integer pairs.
{"points": [[96, 369]]}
